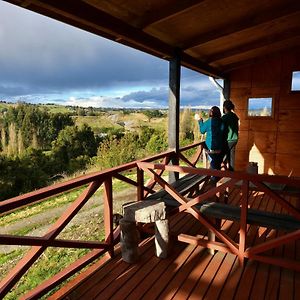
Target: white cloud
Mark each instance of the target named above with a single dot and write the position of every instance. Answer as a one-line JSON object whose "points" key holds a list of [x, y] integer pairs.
{"points": [[110, 102]]}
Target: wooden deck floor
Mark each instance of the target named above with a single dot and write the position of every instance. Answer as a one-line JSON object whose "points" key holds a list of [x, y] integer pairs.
{"points": [[190, 272]]}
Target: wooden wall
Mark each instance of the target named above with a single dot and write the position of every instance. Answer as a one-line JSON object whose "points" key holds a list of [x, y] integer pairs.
{"points": [[272, 142]]}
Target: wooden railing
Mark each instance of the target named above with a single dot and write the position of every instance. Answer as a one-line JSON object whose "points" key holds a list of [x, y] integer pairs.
{"points": [[228, 180], [154, 166], [93, 182]]}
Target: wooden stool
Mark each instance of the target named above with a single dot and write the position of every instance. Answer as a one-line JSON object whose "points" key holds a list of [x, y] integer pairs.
{"points": [[150, 211]]}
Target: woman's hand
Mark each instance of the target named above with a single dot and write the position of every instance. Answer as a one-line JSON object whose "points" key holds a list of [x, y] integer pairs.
{"points": [[197, 117]]}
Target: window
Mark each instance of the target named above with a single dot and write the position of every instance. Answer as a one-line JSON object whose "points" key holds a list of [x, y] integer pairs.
{"points": [[260, 107], [296, 81]]}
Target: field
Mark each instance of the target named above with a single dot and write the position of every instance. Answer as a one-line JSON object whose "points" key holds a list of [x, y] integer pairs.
{"points": [[119, 120]]}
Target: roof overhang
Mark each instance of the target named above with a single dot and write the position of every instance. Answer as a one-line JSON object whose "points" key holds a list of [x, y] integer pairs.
{"points": [[212, 36]]}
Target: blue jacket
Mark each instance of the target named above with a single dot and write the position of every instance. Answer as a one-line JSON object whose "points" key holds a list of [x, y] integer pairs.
{"points": [[214, 129]]}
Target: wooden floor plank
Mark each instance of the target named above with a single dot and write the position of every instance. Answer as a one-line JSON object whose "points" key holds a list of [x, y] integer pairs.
{"points": [[234, 278], [143, 274], [250, 271], [190, 272], [205, 281], [287, 276], [272, 288], [175, 290]]}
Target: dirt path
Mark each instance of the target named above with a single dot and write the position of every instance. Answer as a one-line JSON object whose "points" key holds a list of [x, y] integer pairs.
{"points": [[41, 222]]}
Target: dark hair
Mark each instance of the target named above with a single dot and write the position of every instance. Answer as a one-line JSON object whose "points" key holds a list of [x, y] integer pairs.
{"points": [[215, 112], [228, 105]]}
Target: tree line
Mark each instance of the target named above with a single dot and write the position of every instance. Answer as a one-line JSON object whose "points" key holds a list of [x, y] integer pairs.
{"points": [[37, 147]]}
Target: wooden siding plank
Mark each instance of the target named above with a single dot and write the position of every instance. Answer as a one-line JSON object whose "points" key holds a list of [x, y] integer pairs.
{"points": [[264, 141], [284, 164]]}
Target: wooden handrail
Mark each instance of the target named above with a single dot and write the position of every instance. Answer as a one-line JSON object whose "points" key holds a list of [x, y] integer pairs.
{"points": [[40, 244], [96, 180], [232, 178]]}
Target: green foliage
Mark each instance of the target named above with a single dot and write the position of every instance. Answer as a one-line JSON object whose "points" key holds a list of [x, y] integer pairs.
{"points": [[37, 145], [186, 125], [73, 148], [23, 174], [37, 126], [114, 152], [153, 113], [145, 135], [157, 143]]}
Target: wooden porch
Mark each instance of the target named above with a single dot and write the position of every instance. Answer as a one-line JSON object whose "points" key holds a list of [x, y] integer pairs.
{"points": [[190, 272], [254, 48]]}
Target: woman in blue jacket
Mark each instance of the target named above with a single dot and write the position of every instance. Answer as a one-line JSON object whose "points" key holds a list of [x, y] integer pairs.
{"points": [[214, 129]]}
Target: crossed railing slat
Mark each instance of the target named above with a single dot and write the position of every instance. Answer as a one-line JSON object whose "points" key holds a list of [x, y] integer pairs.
{"points": [[228, 245]]}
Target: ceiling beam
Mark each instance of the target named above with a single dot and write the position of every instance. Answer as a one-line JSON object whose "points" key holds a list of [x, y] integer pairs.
{"points": [[120, 10], [254, 59], [199, 66], [288, 8], [259, 43], [166, 12]]}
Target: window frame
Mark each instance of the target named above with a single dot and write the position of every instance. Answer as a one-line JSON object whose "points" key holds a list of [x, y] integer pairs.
{"points": [[291, 81], [272, 97]]}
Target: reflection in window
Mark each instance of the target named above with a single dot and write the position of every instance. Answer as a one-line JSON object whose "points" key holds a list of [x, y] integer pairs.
{"points": [[296, 81], [260, 107]]}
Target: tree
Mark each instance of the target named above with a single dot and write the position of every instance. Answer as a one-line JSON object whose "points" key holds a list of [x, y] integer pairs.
{"points": [[114, 152], [157, 143], [186, 125], [155, 113], [73, 142]]}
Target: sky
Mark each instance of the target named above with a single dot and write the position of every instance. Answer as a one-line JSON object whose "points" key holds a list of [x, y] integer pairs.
{"points": [[46, 61]]}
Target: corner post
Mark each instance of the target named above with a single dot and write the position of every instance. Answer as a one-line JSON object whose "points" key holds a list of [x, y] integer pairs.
{"points": [[174, 108], [226, 89]]}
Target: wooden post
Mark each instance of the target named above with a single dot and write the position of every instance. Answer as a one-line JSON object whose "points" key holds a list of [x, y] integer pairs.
{"points": [[140, 181], [108, 213], [174, 109], [226, 89], [243, 222]]}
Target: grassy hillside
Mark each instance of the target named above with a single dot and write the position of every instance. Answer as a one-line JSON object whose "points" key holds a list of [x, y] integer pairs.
{"points": [[117, 119]]}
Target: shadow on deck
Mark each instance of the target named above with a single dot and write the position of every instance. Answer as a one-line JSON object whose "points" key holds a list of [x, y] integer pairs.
{"points": [[190, 272]]}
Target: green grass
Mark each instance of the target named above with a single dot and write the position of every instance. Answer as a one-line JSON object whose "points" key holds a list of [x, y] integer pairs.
{"points": [[8, 257], [40, 207], [96, 122], [54, 260], [56, 108], [113, 120]]}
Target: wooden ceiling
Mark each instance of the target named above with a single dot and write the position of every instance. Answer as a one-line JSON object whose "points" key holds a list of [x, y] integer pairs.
{"points": [[213, 36]]}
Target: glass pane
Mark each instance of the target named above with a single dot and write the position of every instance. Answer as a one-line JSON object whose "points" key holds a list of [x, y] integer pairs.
{"points": [[260, 107], [296, 81]]}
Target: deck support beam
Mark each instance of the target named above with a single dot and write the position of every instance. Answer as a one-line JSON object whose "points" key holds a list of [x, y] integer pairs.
{"points": [[174, 107]]}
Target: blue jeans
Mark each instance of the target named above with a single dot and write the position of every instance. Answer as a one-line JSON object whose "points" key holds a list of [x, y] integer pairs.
{"points": [[215, 163], [231, 154]]}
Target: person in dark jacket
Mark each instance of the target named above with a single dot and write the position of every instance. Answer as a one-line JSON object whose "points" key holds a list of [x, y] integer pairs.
{"points": [[214, 129], [231, 122]]}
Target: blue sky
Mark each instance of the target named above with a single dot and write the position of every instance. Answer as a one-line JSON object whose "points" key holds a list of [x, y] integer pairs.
{"points": [[42, 60]]}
